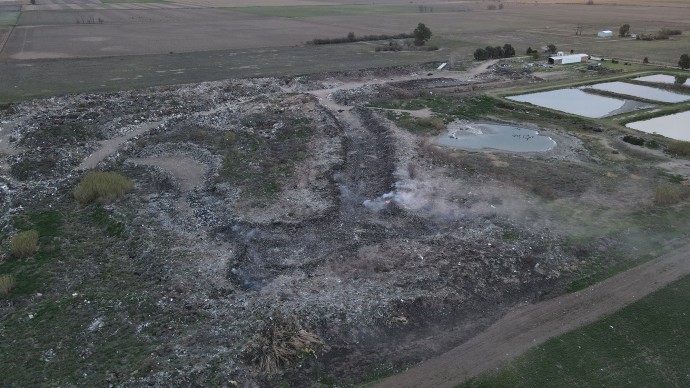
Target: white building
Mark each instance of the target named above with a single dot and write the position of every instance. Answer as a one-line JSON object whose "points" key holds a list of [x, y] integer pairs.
{"points": [[605, 34], [567, 59]]}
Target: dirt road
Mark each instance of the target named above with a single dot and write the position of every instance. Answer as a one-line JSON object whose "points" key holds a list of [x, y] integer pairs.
{"points": [[531, 325]]}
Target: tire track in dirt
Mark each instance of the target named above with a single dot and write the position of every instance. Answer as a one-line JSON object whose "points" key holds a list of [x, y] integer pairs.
{"points": [[531, 325]]}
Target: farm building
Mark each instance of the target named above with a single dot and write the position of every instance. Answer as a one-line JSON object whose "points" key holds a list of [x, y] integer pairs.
{"points": [[567, 59], [605, 34]]}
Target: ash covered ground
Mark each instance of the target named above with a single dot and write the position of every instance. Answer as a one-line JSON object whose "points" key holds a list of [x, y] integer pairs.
{"points": [[279, 231]]}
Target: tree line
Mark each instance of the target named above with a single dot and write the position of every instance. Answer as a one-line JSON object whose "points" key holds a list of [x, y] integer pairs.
{"points": [[490, 52]]}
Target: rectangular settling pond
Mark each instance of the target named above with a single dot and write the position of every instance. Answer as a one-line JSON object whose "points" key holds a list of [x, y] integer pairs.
{"points": [[577, 102], [660, 79], [674, 126], [640, 91]]}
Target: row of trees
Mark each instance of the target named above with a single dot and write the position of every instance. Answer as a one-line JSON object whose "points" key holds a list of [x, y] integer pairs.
{"points": [[489, 52], [421, 35], [351, 37]]}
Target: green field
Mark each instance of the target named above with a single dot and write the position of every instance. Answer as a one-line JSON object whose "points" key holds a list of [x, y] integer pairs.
{"points": [[644, 345], [300, 11], [9, 18]]}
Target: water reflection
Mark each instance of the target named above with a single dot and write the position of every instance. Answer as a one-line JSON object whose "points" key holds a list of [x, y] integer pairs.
{"points": [[573, 101], [660, 78], [640, 91], [494, 136], [674, 126]]}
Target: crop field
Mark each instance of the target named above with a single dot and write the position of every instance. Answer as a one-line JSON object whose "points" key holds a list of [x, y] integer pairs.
{"points": [[130, 32], [458, 29], [327, 10], [27, 79]]}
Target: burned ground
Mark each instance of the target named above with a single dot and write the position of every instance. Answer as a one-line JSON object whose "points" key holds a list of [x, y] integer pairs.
{"points": [[262, 213]]}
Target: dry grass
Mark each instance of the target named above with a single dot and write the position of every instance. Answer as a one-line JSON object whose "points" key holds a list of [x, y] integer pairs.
{"points": [[24, 244], [279, 343], [667, 195], [7, 283], [102, 187], [679, 148]]}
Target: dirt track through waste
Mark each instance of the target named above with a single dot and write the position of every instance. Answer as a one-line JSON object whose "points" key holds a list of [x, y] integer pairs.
{"points": [[530, 325]]}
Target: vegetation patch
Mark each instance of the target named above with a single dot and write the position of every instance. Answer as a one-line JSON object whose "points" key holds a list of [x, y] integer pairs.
{"points": [[679, 148], [447, 106], [634, 140], [279, 343], [645, 343], [9, 18], [639, 237], [48, 136], [7, 283], [102, 187], [24, 244], [421, 125], [37, 165], [325, 10], [258, 161], [667, 195]]}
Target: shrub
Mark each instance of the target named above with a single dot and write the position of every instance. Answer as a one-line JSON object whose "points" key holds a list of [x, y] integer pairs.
{"points": [[653, 144], [638, 141], [280, 342], [102, 187], [7, 283], [667, 195], [24, 244], [679, 148], [669, 32]]}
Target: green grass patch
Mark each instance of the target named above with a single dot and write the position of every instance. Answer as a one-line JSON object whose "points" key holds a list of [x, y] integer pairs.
{"points": [[96, 295], [68, 133], [421, 125], [673, 178], [111, 227], [9, 18], [102, 187], [447, 106], [611, 243], [300, 11], [68, 342], [258, 164], [644, 345], [621, 66], [33, 273]]}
